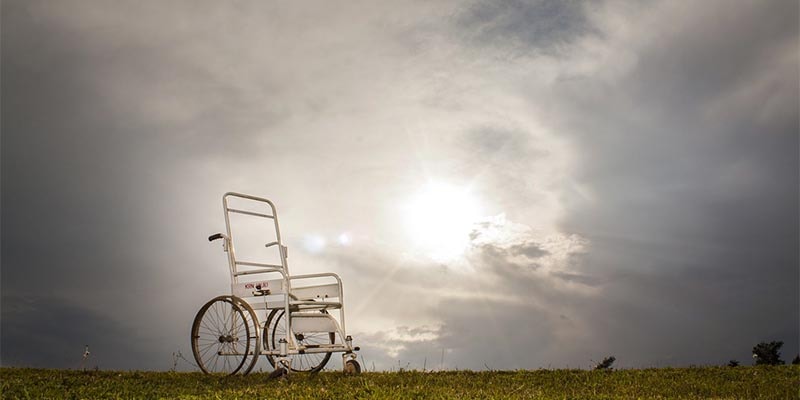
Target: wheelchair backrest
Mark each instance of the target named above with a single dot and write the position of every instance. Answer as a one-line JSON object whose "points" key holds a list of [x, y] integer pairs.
{"points": [[255, 245]]}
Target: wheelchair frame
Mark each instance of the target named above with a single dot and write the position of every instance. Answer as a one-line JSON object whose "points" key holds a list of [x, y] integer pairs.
{"points": [[227, 333]]}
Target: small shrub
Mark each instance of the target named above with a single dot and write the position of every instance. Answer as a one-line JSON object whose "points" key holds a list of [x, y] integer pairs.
{"points": [[733, 363], [768, 353], [796, 360], [606, 363]]}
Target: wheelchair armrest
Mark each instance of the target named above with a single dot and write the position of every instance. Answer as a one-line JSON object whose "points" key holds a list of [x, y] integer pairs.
{"points": [[320, 275]]}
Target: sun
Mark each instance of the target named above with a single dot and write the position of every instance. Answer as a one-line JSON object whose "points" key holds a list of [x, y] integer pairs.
{"points": [[439, 219]]}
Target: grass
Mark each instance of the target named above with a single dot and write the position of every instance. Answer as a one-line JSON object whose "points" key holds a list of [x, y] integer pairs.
{"points": [[782, 382]]}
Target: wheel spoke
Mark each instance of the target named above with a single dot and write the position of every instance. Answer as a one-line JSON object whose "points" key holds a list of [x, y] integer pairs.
{"points": [[219, 333]]}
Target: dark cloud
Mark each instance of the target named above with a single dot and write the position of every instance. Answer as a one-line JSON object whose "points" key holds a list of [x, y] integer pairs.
{"points": [[51, 332], [529, 250], [68, 165], [579, 278], [499, 258], [712, 51], [82, 186], [686, 209], [524, 26]]}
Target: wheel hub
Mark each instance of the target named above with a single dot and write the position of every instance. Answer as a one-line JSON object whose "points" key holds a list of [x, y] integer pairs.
{"points": [[227, 339]]}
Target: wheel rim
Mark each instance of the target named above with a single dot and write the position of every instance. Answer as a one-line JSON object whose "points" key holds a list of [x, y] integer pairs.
{"points": [[275, 329], [220, 337]]}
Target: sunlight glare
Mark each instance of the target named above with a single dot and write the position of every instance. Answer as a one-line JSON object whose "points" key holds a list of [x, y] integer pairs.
{"points": [[439, 219]]}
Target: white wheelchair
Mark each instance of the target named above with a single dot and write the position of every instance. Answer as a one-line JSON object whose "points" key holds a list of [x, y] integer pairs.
{"points": [[298, 333]]}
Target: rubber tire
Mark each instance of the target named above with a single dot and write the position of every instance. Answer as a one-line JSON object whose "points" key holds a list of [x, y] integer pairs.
{"points": [[198, 336], [352, 367]]}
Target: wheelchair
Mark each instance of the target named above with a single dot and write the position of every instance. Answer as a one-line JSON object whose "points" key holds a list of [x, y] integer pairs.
{"points": [[296, 321]]}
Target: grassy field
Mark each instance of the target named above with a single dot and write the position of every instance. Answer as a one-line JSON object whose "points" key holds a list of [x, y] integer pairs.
{"points": [[666, 383]]}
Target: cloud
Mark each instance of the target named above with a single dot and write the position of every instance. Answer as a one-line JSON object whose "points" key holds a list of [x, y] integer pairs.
{"points": [[541, 26], [677, 178], [675, 185], [50, 332], [510, 280], [639, 161]]}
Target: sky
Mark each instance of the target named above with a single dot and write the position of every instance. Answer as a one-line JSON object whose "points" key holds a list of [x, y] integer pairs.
{"points": [[500, 185]]}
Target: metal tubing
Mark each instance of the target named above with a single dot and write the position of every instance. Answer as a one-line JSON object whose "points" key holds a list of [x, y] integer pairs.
{"points": [[255, 264], [258, 271], [289, 352], [234, 210], [306, 350]]}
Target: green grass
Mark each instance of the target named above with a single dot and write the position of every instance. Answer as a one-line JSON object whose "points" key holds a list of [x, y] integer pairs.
{"points": [[667, 383]]}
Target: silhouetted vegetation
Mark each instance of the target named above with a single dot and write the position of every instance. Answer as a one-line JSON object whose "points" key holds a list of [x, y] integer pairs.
{"points": [[606, 363], [733, 363], [768, 353], [796, 360]]}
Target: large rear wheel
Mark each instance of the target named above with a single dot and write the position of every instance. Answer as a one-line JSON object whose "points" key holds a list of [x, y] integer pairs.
{"points": [[221, 336]]}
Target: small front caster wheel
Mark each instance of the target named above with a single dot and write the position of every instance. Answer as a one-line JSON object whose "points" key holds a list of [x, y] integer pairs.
{"points": [[352, 367]]}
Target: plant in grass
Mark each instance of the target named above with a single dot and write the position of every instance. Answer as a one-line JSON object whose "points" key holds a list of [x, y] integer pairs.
{"points": [[606, 363], [796, 360], [768, 353], [733, 363]]}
